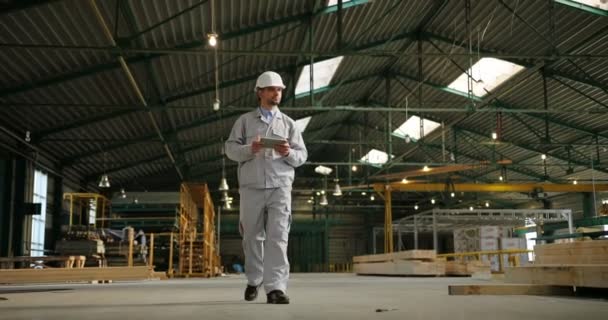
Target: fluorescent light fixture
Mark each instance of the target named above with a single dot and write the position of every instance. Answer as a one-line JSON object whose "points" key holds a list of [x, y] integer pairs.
{"points": [[410, 129], [488, 73], [323, 73], [301, 124], [376, 157], [323, 170]]}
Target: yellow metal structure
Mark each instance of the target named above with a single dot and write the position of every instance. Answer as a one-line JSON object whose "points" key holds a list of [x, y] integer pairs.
{"points": [[512, 256], [82, 201], [385, 189], [495, 187], [388, 221], [197, 250]]}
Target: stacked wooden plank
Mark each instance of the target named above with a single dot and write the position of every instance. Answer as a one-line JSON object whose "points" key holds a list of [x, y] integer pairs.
{"points": [[402, 263], [580, 263], [14, 276], [467, 268]]}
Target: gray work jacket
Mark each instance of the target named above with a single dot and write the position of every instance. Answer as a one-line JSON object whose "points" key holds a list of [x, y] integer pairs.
{"points": [[261, 171]]}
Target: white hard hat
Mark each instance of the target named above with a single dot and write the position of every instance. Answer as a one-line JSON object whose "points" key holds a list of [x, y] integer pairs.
{"points": [[269, 79]]}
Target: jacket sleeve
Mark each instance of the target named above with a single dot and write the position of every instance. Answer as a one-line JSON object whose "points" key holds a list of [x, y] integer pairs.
{"points": [[237, 148], [297, 153]]}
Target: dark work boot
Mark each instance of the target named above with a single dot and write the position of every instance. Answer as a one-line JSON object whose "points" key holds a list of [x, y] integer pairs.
{"points": [[277, 297], [251, 292]]}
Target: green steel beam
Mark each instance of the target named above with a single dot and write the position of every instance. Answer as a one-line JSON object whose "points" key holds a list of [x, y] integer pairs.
{"points": [[18, 5], [501, 106], [114, 65], [523, 170], [345, 5], [539, 151], [39, 136], [289, 68], [577, 223], [132, 26], [550, 72], [208, 143], [584, 7], [136, 35]]}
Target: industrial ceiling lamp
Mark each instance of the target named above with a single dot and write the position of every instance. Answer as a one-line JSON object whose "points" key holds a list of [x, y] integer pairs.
{"points": [[337, 189], [104, 182], [323, 200], [223, 182], [212, 40], [227, 200], [123, 194]]}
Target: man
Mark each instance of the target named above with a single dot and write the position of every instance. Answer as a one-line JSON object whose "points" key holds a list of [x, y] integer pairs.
{"points": [[265, 178]]}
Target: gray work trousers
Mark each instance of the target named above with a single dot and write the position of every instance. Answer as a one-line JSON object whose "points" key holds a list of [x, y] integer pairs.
{"points": [[265, 219]]}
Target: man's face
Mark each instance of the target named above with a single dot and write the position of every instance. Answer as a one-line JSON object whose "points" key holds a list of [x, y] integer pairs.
{"points": [[270, 96]]}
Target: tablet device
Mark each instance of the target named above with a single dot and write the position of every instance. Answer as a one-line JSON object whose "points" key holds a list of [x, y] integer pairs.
{"points": [[271, 142]]}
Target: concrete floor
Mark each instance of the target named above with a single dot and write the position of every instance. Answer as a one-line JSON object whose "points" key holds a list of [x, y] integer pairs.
{"points": [[314, 296]]}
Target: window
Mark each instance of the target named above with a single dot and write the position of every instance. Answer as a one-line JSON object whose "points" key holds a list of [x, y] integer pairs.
{"points": [[303, 123], [92, 211], [323, 73], [529, 242], [411, 128], [39, 221], [376, 157], [488, 73]]}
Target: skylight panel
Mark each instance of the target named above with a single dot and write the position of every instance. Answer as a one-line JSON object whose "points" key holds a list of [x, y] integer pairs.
{"points": [[595, 4], [411, 128], [600, 4], [323, 73], [335, 2], [488, 73], [376, 157], [303, 123]]}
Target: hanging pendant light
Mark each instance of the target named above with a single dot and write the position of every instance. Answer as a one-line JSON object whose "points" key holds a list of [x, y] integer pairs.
{"points": [[104, 182], [223, 182], [337, 190], [323, 201]]}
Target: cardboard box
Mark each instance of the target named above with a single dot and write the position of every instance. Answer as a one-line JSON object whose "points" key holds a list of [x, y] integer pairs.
{"points": [[493, 232]]}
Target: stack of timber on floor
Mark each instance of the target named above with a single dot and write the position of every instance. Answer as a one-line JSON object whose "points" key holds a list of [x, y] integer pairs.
{"points": [[402, 263], [468, 268], [580, 263], [16, 276]]}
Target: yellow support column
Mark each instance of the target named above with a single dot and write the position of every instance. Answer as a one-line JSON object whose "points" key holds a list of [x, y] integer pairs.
{"points": [[170, 271], [151, 251], [388, 220]]}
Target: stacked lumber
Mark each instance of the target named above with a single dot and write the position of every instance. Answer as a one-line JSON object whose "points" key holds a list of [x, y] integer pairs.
{"points": [[14, 276], [467, 268], [580, 263], [402, 263]]}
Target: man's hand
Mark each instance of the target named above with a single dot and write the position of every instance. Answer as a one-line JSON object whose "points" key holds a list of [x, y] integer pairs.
{"points": [[256, 145], [282, 149]]}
